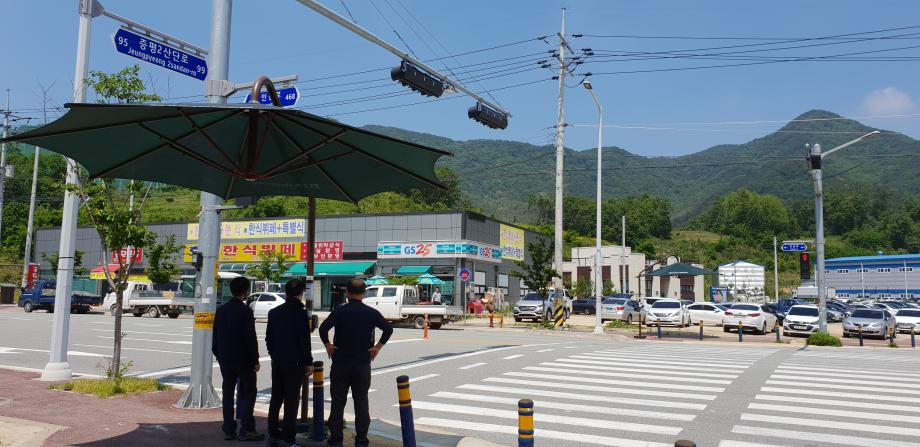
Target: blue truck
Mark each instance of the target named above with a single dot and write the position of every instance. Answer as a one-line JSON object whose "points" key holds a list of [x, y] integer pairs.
{"points": [[41, 296]]}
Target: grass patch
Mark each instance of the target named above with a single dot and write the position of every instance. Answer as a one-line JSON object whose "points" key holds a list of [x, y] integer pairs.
{"points": [[109, 387], [618, 324], [823, 339], [892, 344]]}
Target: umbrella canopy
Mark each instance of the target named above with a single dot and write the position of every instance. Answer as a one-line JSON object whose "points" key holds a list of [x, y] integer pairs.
{"points": [[236, 150], [430, 279], [376, 281], [680, 269]]}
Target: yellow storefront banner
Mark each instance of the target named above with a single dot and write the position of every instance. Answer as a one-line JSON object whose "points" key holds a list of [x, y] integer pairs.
{"points": [[255, 229], [250, 252], [204, 320], [511, 241]]}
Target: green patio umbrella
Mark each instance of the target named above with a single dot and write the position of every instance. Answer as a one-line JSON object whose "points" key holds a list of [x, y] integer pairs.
{"points": [[430, 279], [376, 281], [236, 150]]}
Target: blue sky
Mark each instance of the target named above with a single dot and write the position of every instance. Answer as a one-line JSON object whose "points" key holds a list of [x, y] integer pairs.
{"points": [[280, 37]]}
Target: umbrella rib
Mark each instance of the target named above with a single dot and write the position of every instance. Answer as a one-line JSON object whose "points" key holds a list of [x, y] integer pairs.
{"points": [[374, 157], [205, 135], [306, 153], [187, 151], [108, 171], [30, 136]]}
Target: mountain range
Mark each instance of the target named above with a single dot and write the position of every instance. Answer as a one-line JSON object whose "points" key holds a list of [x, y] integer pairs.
{"points": [[499, 175]]}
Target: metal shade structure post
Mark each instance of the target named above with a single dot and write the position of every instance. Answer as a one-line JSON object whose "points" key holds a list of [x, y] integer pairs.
{"points": [[598, 257]]}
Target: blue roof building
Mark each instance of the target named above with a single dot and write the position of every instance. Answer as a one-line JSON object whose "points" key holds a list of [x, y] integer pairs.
{"points": [[875, 277]]}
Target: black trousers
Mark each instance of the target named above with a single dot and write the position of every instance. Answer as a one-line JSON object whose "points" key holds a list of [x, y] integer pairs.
{"points": [[343, 376], [245, 376], [286, 382]]}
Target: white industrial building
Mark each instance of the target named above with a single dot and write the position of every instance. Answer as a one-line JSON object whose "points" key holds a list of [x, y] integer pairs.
{"points": [[875, 277], [743, 279]]}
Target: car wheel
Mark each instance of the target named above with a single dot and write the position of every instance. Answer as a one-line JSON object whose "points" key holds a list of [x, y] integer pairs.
{"points": [[27, 306], [763, 330], [846, 335], [435, 325], [629, 319], [726, 329], [419, 322], [517, 320], [153, 312], [173, 316]]}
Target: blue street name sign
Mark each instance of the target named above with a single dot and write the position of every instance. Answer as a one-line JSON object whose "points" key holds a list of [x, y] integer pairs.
{"points": [[288, 97], [149, 50], [794, 246]]}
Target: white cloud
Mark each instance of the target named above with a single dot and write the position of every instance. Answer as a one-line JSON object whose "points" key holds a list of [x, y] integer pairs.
{"points": [[888, 101]]}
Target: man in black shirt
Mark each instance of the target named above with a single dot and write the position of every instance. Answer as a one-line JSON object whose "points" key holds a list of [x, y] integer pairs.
{"points": [[352, 352], [288, 340], [237, 351]]}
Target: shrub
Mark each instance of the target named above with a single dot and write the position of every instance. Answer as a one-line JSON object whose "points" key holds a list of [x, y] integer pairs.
{"points": [[823, 339], [110, 387]]}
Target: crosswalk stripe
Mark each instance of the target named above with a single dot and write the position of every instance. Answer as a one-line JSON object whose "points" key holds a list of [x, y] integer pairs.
{"points": [[849, 441], [835, 372], [843, 368], [838, 394], [545, 350], [608, 389], [511, 357], [876, 389], [855, 426], [730, 443], [546, 418], [655, 360], [832, 412], [543, 434], [717, 357], [584, 397], [683, 381], [888, 384], [565, 406], [472, 365], [664, 366], [566, 363], [842, 403]]}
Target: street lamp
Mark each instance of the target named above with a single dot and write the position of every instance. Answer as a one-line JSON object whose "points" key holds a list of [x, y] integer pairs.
{"points": [[598, 259], [814, 157]]}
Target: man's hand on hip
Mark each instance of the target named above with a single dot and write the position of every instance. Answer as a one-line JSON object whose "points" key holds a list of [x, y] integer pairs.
{"points": [[330, 349], [375, 350]]}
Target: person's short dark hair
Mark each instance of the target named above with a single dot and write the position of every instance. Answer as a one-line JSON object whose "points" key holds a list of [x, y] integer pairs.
{"points": [[356, 286], [239, 286], [294, 288]]}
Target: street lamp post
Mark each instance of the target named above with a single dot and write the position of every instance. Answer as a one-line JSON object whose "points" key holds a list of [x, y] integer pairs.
{"points": [[598, 258], [814, 156]]}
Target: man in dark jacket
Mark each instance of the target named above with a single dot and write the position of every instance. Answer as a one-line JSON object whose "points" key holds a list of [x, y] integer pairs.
{"points": [[352, 352], [237, 351], [288, 340]]}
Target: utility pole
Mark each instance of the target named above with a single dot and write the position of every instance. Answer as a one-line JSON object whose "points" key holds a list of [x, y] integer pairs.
{"points": [[27, 253], [560, 154], [201, 392], [6, 129], [623, 255], [775, 273]]}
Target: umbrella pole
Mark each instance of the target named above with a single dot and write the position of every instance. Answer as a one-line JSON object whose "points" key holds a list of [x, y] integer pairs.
{"points": [[311, 241]]}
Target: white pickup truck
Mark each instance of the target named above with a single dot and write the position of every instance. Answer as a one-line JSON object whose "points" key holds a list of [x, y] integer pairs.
{"points": [[401, 304], [140, 298]]}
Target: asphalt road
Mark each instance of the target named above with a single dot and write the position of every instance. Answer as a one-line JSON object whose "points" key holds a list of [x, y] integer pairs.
{"points": [[587, 391]]}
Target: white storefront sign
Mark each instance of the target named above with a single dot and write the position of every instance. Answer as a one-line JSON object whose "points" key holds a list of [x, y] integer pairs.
{"points": [[439, 250]]}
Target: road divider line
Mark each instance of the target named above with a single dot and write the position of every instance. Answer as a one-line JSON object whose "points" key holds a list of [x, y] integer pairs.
{"points": [[541, 433], [472, 365], [825, 423], [145, 333], [839, 413], [420, 378], [517, 391], [134, 349], [172, 342], [631, 391], [545, 350], [853, 441], [510, 357]]}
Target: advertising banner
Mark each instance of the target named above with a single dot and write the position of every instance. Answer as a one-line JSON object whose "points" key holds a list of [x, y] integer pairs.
{"points": [[137, 255], [296, 251], [439, 249], [255, 229], [511, 240]]}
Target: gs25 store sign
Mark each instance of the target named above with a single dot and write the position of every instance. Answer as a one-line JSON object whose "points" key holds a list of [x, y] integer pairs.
{"points": [[440, 249]]}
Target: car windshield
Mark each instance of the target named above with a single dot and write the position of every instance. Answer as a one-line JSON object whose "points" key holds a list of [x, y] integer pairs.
{"points": [[616, 301], [666, 305], [745, 307], [867, 313], [909, 313], [895, 304], [532, 297], [804, 311]]}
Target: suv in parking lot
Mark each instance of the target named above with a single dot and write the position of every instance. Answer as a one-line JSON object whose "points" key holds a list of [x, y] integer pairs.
{"points": [[534, 306]]}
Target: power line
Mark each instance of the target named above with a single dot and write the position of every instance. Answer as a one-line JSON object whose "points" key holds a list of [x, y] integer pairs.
{"points": [[797, 120]]}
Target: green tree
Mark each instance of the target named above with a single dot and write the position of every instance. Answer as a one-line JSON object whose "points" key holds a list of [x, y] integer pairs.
{"points": [[583, 289], [161, 267], [539, 272], [609, 288], [271, 266], [403, 280], [747, 215], [52, 259], [123, 87]]}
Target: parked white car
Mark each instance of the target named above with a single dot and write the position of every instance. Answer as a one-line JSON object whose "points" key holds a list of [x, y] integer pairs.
{"points": [[262, 302], [705, 312], [909, 320], [751, 316], [668, 312], [801, 319]]}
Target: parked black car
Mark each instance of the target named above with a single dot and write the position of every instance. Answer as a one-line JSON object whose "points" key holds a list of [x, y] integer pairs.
{"points": [[586, 306]]}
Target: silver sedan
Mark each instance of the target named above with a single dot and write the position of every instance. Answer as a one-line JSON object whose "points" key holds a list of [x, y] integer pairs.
{"points": [[872, 323], [622, 309]]}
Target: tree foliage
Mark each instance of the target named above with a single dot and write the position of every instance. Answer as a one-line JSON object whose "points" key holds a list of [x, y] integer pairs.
{"points": [[161, 267], [123, 87], [747, 215], [52, 259], [271, 266], [583, 289]]}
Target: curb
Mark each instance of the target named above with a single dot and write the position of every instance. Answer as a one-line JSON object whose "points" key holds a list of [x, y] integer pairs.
{"points": [[24, 433]]}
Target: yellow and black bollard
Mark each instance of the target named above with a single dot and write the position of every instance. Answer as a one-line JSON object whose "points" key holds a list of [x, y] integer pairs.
{"points": [[913, 341], [777, 328], [701, 330], [684, 443], [405, 411], [525, 423], [740, 332], [319, 433], [860, 335]]}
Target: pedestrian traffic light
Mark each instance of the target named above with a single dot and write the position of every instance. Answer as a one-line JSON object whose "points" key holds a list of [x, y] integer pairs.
{"points": [[487, 116], [805, 265], [411, 76]]}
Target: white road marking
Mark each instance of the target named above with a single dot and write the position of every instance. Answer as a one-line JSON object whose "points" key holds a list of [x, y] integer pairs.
{"points": [[420, 378], [542, 434], [38, 370], [545, 418], [6, 350], [640, 364], [512, 356], [826, 423], [865, 372], [566, 363], [172, 342], [128, 331], [582, 397], [838, 394], [597, 388], [887, 388], [615, 382], [471, 366], [135, 349], [545, 350], [100, 322], [662, 360], [824, 437], [840, 413], [841, 403], [800, 378], [637, 373], [148, 325], [447, 358], [834, 375], [568, 407], [728, 443]]}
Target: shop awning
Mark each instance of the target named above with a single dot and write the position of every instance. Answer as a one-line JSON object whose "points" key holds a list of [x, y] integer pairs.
{"points": [[410, 270], [332, 268], [680, 269], [99, 273]]}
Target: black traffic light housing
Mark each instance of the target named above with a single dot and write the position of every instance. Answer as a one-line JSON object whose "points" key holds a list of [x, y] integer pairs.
{"points": [[411, 76], [805, 265], [487, 116]]}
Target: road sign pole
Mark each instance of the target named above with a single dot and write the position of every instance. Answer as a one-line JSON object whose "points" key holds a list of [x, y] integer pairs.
{"points": [[775, 273], [819, 239], [201, 392]]}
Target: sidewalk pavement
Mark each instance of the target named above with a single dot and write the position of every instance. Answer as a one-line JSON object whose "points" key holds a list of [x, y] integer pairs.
{"points": [[31, 415]]}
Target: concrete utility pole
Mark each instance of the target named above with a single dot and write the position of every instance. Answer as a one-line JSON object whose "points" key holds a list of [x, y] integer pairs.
{"points": [[625, 278], [6, 129], [775, 273], [560, 154], [598, 256], [27, 252], [201, 392], [58, 368]]}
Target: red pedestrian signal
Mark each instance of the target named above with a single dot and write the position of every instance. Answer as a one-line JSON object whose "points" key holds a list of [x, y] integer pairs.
{"points": [[805, 266]]}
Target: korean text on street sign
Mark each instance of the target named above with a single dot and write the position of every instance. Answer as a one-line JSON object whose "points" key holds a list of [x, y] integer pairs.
{"points": [[149, 50], [794, 246], [288, 97]]}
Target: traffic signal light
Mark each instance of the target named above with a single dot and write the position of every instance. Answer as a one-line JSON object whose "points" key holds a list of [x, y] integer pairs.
{"points": [[805, 265], [487, 116], [411, 76]]}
